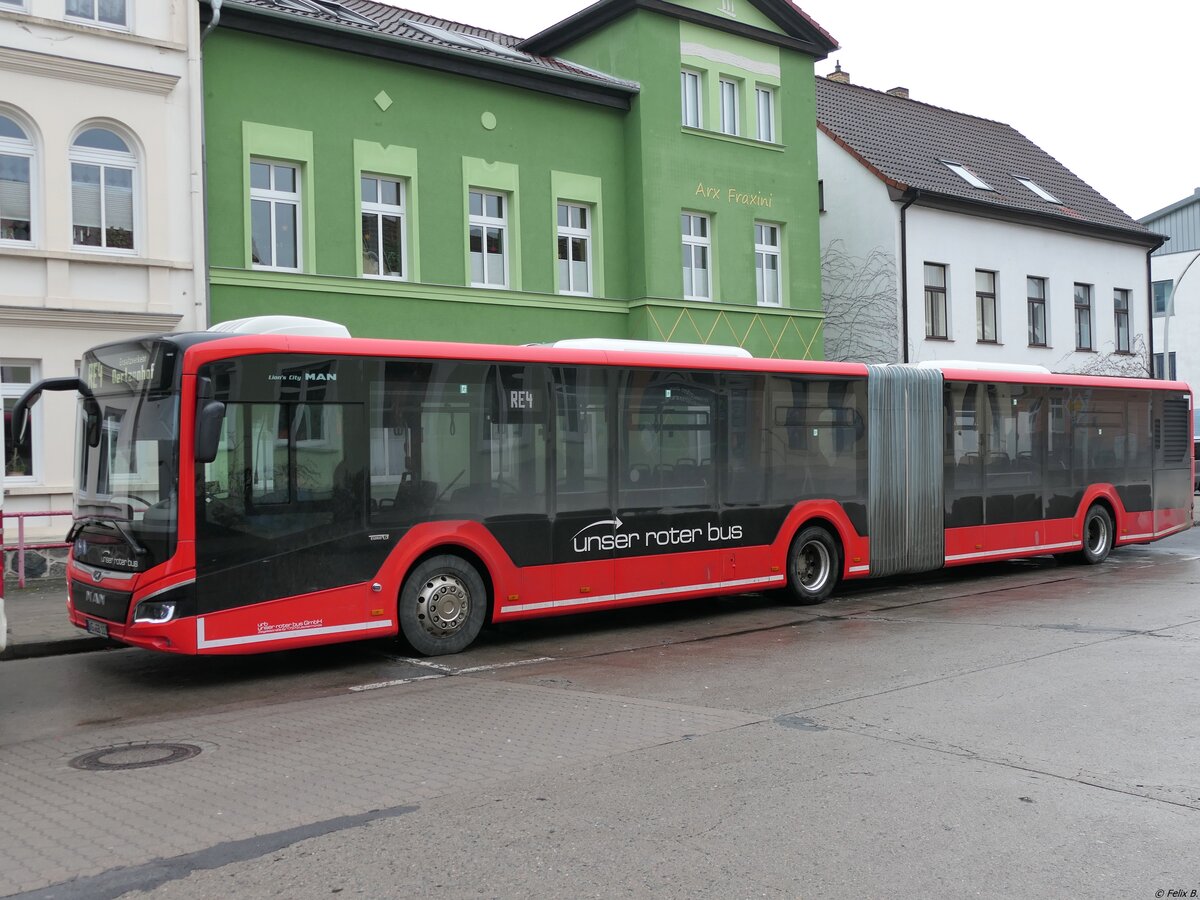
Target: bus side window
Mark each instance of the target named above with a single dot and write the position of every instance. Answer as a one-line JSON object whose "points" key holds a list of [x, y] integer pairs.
{"points": [[668, 426], [581, 436]]}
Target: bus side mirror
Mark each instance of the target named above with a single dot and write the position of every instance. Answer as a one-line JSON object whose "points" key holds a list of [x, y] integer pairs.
{"points": [[209, 417], [20, 412]]}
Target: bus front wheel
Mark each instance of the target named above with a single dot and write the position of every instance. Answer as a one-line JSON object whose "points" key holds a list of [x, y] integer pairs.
{"points": [[442, 606], [1097, 535], [813, 565]]}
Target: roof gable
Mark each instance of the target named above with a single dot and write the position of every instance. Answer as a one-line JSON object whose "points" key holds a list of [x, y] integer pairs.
{"points": [[740, 11], [909, 144], [778, 22]]}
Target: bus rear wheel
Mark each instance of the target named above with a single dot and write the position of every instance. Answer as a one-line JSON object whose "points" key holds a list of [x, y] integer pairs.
{"points": [[1097, 535], [813, 565], [442, 606]]}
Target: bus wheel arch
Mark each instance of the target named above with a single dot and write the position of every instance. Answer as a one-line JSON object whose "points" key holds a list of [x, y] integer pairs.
{"points": [[444, 601], [1099, 531], [814, 562]]}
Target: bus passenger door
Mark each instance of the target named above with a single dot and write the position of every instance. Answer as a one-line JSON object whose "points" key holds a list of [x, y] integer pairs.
{"points": [[585, 526], [666, 492]]}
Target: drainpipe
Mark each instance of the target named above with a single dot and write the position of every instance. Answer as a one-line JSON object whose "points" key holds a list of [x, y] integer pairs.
{"points": [[1150, 306], [215, 21], [201, 192], [913, 195]]}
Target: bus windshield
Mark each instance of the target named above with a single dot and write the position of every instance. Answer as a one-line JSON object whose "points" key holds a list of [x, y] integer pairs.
{"points": [[127, 482]]}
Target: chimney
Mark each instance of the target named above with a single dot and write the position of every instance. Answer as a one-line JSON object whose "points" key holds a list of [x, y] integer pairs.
{"points": [[838, 75], [901, 92]]}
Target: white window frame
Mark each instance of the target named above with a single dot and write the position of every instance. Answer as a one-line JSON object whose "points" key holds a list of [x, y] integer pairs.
{"points": [[762, 251], [485, 222], [766, 124], [9, 391], [275, 198], [1030, 301], [106, 160], [94, 18], [1122, 295], [729, 92], [571, 233], [25, 148], [983, 300], [15, 5], [1167, 296], [1090, 294], [379, 209], [944, 290], [1159, 373], [692, 240], [686, 77]]}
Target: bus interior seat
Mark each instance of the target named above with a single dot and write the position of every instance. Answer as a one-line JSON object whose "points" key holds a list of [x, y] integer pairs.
{"points": [[997, 461]]}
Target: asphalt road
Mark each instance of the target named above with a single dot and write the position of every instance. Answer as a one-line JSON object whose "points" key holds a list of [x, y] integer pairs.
{"points": [[1015, 730]]}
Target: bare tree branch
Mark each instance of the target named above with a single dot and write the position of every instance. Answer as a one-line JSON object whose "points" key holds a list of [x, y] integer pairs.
{"points": [[1109, 362], [861, 317]]}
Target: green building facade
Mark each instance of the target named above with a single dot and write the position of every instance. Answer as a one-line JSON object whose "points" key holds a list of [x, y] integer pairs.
{"points": [[641, 170]]}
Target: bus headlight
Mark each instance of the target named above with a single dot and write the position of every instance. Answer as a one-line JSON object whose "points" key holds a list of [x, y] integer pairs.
{"points": [[154, 612]]}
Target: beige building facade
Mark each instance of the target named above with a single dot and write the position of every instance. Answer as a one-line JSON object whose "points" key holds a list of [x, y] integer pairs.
{"points": [[101, 213]]}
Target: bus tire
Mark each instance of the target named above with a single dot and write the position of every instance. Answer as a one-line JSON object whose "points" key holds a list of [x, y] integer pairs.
{"points": [[443, 605], [1097, 535], [812, 566]]}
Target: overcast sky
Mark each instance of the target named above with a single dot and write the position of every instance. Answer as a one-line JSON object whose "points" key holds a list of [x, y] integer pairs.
{"points": [[1110, 90]]}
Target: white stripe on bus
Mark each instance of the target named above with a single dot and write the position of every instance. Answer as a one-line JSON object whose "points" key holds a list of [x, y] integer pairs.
{"points": [[659, 592], [202, 642], [1154, 534], [1072, 545]]}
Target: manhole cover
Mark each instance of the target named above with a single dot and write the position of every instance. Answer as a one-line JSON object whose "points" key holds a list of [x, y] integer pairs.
{"points": [[133, 756]]}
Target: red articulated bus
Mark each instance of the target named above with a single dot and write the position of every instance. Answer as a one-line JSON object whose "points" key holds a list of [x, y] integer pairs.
{"points": [[241, 491]]}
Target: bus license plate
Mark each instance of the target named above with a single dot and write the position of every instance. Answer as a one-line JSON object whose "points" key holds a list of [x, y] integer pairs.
{"points": [[95, 627]]}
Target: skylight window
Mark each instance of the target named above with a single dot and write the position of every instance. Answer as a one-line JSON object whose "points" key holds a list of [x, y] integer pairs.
{"points": [[298, 5], [329, 7], [967, 175], [1038, 189], [470, 41]]}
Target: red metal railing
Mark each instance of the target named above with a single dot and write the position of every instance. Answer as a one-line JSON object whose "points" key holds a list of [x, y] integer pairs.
{"points": [[20, 546]]}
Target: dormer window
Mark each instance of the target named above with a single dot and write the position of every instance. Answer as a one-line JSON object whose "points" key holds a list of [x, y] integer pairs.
{"points": [[1038, 189], [967, 175]]}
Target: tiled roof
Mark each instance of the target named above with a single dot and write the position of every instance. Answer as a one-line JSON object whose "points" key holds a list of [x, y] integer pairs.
{"points": [[440, 34], [908, 142]]}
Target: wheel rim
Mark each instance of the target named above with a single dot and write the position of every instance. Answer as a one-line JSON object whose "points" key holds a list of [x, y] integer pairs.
{"points": [[1097, 535], [443, 605], [812, 566]]}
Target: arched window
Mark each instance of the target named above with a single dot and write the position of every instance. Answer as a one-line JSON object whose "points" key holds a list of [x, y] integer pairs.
{"points": [[16, 164], [103, 190]]}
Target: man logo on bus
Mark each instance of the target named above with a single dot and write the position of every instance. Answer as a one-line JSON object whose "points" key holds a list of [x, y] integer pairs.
{"points": [[666, 537]]}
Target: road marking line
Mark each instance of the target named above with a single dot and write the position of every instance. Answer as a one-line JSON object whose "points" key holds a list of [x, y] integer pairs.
{"points": [[506, 665], [424, 663], [444, 671], [393, 683]]}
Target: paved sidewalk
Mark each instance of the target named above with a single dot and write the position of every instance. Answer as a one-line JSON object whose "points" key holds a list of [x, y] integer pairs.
{"points": [[38, 623]]}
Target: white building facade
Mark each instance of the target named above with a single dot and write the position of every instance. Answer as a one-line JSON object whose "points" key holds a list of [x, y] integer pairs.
{"points": [[952, 246], [101, 215], [1175, 288]]}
